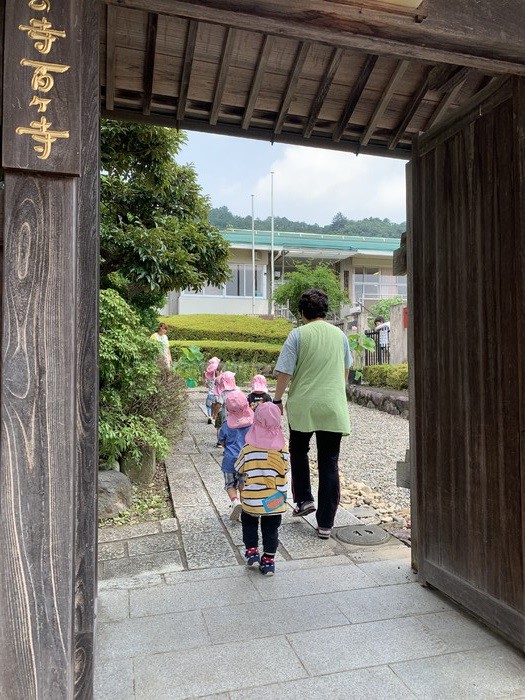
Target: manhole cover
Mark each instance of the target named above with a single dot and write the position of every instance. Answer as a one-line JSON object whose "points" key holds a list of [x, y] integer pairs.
{"points": [[362, 535]]}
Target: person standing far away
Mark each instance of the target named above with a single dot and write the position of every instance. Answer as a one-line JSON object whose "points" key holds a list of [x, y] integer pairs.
{"points": [[315, 360], [384, 337], [161, 336]]}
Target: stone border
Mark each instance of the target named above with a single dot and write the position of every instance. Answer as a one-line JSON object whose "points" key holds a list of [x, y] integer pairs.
{"points": [[387, 400]]}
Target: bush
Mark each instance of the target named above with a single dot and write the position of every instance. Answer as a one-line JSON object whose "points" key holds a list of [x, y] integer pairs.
{"points": [[391, 376], [226, 327], [244, 371], [232, 351], [168, 404]]}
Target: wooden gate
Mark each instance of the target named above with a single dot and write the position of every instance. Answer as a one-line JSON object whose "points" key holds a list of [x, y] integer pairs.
{"points": [[466, 261]]}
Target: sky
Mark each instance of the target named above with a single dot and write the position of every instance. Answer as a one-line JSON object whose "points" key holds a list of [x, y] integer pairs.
{"points": [[310, 184]]}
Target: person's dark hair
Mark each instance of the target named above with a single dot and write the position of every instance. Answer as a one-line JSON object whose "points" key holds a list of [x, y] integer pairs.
{"points": [[162, 325], [313, 304], [379, 319]]}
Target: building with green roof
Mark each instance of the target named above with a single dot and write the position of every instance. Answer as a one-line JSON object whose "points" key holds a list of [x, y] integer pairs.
{"points": [[364, 264]]}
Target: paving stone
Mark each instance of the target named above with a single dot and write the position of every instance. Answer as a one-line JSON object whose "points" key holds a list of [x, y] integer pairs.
{"points": [[141, 636], [175, 578], [300, 541], [112, 605], [386, 602], [327, 579], [374, 643], [362, 512], [234, 529], [290, 615], [169, 525], [214, 669], [207, 549], [126, 532], [160, 563], [498, 672], [200, 519], [390, 550], [342, 518], [111, 550], [373, 683], [458, 631], [138, 581], [387, 573], [114, 680], [162, 542], [193, 596]]}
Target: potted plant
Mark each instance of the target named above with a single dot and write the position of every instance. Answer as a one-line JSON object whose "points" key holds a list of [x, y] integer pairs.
{"points": [[359, 344], [189, 365]]}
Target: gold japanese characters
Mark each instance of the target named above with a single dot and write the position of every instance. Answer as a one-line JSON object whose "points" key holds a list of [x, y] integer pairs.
{"points": [[42, 33]]}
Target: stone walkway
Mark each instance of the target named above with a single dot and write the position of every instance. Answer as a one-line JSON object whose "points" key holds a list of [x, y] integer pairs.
{"points": [[179, 616]]}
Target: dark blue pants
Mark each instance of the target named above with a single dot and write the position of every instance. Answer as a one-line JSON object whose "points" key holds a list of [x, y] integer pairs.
{"points": [[269, 528]]}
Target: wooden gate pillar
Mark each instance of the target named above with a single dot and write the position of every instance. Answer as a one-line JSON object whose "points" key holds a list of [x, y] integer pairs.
{"points": [[49, 370]]}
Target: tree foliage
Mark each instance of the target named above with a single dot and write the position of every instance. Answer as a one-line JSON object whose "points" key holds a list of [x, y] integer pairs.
{"points": [[223, 218], [382, 307], [307, 277]]}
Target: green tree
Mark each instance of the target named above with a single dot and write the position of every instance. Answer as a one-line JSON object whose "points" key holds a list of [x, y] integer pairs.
{"points": [[155, 232], [382, 307], [307, 277]]}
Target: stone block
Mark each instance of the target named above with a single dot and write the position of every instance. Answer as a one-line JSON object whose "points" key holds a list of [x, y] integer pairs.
{"points": [[111, 550], [163, 562], [169, 525], [161, 542], [301, 541], [386, 573], [114, 493], [211, 669], [114, 680], [207, 549], [197, 519], [126, 532], [112, 605]]}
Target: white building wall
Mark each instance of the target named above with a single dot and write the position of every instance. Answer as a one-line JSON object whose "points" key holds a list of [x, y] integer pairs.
{"points": [[221, 305]]}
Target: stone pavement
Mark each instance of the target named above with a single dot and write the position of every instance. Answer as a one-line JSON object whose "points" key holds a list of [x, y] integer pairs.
{"points": [[179, 616]]}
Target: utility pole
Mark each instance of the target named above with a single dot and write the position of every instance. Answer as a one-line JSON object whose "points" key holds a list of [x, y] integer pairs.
{"points": [[253, 259], [272, 242]]}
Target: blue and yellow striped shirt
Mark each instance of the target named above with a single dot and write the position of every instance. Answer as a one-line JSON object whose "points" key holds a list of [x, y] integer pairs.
{"points": [[264, 482]]}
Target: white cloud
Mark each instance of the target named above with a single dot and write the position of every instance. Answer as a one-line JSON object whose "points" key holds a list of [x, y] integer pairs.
{"points": [[312, 185]]}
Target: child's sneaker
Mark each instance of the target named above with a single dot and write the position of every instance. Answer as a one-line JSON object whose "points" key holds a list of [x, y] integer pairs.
{"points": [[267, 565], [252, 557], [235, 509]]}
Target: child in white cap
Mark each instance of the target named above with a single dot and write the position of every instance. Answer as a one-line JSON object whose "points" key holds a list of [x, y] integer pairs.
{"points": [[232, 435], [262, 468], [259, 393]]}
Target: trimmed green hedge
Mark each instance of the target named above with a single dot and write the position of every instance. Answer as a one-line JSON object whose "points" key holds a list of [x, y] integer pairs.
{"points": [[233, 351], [391, 376], [226, 327]]}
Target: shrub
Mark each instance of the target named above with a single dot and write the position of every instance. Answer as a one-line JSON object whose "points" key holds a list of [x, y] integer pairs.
{"points": [[226, 327], [168, 404], [304, 277], [232, 351], [244, 371], [391, 376]]}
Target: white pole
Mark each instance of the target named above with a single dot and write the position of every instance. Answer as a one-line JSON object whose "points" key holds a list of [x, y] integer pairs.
{"points": [[272, 268], [253, 260]]}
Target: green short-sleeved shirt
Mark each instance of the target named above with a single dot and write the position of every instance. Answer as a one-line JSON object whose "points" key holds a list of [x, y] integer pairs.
{"points": [[317, 395]]}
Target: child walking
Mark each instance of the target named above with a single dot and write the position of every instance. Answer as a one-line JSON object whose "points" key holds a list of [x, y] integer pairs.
{"points": [[208, 379], [262, 468], [232, 435], [225, 385], [259, 393]]}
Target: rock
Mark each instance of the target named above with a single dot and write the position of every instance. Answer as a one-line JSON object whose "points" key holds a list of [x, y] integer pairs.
{"points": [[367, 501], [401, 521], [114, 493], [386, 519], [143, 471], [365, 490]]}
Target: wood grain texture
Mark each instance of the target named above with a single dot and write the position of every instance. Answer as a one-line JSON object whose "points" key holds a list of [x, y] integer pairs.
{"points": [[191, 40], [149, 61], [291, 85], [86, 403], [111, 50], [38, 458], [324, 87], [223, 74], [467, 294], [264, 54], [355, 96], [382, 105]]}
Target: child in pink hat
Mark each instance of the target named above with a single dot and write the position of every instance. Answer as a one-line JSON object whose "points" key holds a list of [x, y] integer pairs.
{"points": [[259, 393], [232, 435], [262, 469], [208, 379]]}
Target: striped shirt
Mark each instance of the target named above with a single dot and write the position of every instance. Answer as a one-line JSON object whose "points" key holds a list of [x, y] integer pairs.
{"points": [[263, 480]]}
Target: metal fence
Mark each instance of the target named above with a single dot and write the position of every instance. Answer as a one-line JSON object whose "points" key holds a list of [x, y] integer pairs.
{"points": [[381, 355]]}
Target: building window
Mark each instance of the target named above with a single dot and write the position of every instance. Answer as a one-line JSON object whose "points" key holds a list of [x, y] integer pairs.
{"points": [[378, 283], [240, 284]]}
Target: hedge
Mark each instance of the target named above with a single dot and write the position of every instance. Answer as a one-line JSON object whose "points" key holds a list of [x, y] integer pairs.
{"points": [[227, 327], [391, 376], [234, 351]]}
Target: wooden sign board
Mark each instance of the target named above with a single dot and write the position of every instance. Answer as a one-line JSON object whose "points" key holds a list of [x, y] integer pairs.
{"points": [[41, 97]]}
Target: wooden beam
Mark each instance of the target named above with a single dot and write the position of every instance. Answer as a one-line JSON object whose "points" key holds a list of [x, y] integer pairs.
{"points": [[335, 61], [264, 54], [191, 40], [355, 96], [223, 74], [346, 145], [300, 58], [149, 61], [444, 106], [414, 105], [384, 101], [111, 48], [455, 33]]}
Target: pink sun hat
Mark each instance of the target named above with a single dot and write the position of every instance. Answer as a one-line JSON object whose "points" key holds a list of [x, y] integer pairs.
{"points": [[210, 369], [240, 415], [259, 383], [266, 433], [228, 381], [215, 360]]}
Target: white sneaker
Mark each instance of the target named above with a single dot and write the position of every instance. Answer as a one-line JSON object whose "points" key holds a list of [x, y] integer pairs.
{"points": [[235, 509]]}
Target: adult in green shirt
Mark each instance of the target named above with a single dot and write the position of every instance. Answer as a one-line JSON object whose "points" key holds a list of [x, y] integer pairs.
{"points": [[315, 360]]}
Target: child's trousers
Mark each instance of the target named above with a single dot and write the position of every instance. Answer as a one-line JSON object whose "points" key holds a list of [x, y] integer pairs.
{"points": [[269, 528]]}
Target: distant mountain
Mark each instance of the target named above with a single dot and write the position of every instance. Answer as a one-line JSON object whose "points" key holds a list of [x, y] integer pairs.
{"points": [[223, 218]]}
